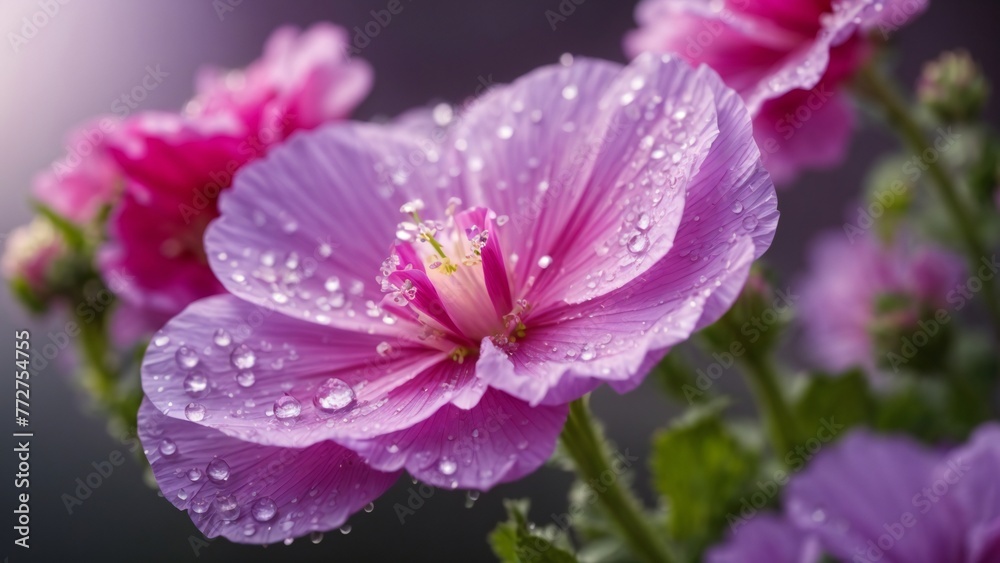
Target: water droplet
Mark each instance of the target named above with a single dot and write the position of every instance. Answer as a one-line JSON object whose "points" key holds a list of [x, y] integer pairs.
{"points": [[245, 378], [186, 357], [195, 412], [447, 466], [505, 132], [737, 207], [570, 92], [182, 494], [334, 395], [218, 469], [199, 505], [288, 541], [249, 530], [637, 243], [168, 447], [287, 407], [470, 498], [227, 507], [644, 222], [196, 384], [161, 340], [264, 509], [194, 474], [243, 357], [222, 338], [332, 284], [383, 349], [545, 261], [316, 537], [750, 222], [369, 507]]}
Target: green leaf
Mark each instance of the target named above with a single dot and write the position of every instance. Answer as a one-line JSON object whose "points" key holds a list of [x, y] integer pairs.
{"points": [[703, 470], [841, 399], [515, 541]]}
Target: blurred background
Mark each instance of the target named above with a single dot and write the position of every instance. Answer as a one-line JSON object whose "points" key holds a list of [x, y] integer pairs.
{"points": [[92, 52]]}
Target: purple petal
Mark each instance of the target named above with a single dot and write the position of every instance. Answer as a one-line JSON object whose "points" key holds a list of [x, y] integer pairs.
{"points": [[855, 492], [259, 494], [971, 473], [332, 383], [765, 539], [499, 440], [306, 229]]}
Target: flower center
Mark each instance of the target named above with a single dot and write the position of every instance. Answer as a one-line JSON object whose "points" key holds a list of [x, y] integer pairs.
{"points": [[451, 277]]}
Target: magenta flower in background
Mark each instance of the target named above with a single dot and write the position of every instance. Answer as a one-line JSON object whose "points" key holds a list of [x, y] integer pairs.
{"points": [[880, 498], [856, 289], [175, 165], [86, 180], [788, 59], [399, 304]]}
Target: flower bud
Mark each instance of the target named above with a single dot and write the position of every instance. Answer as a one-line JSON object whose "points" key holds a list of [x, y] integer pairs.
{"points": [[28, 259], [953, 87]]}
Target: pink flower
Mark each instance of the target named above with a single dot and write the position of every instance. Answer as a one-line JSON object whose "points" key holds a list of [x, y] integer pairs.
{"points": [[401, 304], [303, 80], [850, 282], [86, 180], [29, 253], [176, 165], [787, 58]]}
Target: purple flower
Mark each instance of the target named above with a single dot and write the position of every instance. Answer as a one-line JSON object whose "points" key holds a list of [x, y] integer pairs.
{"points": [[433, 307], [787, 58], [877, 498], [861, 288]]}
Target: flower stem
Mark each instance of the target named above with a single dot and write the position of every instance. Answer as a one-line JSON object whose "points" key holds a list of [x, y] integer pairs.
{"points": [[581, 441], [897, 112], [781, 424]]}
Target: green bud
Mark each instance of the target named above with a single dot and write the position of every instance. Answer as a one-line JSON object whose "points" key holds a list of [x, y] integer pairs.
{"points": [[953, 87]]}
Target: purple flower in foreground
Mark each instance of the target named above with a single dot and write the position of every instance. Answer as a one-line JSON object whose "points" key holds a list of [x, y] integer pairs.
{"points": [[876, 498], [398, 304], [858, 291]]}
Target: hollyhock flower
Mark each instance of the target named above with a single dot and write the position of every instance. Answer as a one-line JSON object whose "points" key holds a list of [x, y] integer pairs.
{"points": [[434, 307], [176, 165], [878, 498], [859, 289], [303, 79], [86, 181], [787, 58]]}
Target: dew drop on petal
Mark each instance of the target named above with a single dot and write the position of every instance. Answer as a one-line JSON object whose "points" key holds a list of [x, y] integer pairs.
{"points": [[186, 357], [242, 357], [222, 338], [168, 447], [264, 509], [245, 378], [637, 243], [195, 412], [218, 469], [345, 529], [199, 505], [447, 466], [545, 261], [195, 384], [194, 474], [569, 92], [737, 207], [287, 407], [370, 507], [333, 395], [750, 222], [316, 537], [227, 507]]}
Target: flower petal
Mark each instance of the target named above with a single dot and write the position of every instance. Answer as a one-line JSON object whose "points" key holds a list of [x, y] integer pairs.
{"points": [[307, 228], [499, 440], [268, 493], [765, 539], [344, 383]]}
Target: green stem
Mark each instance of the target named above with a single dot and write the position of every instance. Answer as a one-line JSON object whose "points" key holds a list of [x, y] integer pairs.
{"points": [[898, 113], [582, 443], [781, 424]]}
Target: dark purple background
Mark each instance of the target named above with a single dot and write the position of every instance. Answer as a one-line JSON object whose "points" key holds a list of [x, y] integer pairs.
{"points": [[94, 51]]}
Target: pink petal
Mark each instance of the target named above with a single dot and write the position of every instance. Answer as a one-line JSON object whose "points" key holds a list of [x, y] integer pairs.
{"points": [[383, 383], [275, 493], [565, 153], [499, 440], [306, 229]]}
